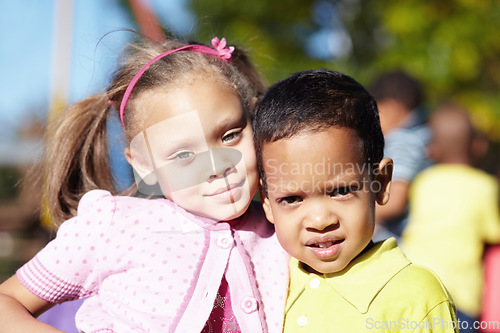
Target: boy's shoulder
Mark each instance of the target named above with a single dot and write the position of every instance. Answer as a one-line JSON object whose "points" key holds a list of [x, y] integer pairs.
{"points": [[380, 285], [387, 256], [421, 282], [414, 284], [414, 292], [391, 276]]}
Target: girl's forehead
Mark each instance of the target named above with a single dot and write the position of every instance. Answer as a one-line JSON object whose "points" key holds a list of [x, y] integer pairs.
{"points": [[186, 122], [169, 132], [204, 101], [171, 100]]}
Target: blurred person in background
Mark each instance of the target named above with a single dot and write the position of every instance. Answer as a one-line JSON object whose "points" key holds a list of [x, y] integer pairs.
{"points": [[399, 99], [453, 212]]}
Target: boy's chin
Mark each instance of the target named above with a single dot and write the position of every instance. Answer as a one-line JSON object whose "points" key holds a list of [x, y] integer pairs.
{"points": [[319, 271]]}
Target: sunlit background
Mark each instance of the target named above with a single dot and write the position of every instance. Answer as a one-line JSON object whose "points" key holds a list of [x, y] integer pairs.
{"points": [[55, 52]]}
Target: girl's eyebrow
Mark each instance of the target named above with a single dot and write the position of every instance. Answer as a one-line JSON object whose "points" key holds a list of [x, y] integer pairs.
{"points": [[167, 147], [230, 121]]}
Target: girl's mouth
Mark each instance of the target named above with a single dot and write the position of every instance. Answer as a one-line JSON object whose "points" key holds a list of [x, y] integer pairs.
{"points": [[228, 194]]}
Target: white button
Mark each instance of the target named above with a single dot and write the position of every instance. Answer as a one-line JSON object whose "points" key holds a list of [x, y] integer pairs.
{"points": [[314, 283], [248, 304], [224, 241], [302, 321]]}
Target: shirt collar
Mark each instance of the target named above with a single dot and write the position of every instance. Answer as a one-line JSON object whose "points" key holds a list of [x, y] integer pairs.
{"points": [[361, 280]]}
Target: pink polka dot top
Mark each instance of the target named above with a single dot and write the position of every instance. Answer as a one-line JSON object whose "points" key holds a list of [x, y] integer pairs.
{"points": [[150, 266]]}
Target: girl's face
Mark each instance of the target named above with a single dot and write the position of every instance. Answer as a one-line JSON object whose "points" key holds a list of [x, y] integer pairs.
{"points": [[197, 145]]}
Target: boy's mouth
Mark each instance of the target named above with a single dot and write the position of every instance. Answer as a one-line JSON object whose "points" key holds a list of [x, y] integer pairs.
{"points": [[325, 245], [323, 242]]}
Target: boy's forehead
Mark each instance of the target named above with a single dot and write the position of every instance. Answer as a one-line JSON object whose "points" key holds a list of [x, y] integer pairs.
{"points": [[339, 140], [333, 149]]}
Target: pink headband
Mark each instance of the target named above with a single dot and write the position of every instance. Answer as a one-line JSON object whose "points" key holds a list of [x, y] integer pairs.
{"points": [[219, 50]]}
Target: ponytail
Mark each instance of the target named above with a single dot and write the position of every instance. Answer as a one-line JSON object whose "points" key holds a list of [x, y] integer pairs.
{"points": [[76, 157]]}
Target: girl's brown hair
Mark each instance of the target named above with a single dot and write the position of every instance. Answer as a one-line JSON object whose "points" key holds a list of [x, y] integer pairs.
{"points": [[76, 154]]}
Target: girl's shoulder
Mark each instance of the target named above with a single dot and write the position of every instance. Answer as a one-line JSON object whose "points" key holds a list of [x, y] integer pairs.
{"points": [[101, 205], [99, 199]]}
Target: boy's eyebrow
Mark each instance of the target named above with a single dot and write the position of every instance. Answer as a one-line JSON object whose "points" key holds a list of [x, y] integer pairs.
{"points": [[346, 170], [291, 187]]}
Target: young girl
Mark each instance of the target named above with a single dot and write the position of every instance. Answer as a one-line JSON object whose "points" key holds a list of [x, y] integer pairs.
{"points": [[203, 257]]}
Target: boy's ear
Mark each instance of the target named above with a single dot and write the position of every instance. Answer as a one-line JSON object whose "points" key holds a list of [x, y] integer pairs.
{"points": [[266, 204], [383, 177], [142, 167]]}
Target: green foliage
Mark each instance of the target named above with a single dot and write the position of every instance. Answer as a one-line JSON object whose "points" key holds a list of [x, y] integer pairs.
{"points": [[273, 32], [452, 46]]}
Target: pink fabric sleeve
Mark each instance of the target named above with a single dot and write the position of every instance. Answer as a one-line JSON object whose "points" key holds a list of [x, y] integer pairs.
{"points": [[68, 267]]}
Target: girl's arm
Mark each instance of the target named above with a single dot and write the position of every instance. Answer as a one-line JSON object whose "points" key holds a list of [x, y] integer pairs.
{"points": [[19, 307]]}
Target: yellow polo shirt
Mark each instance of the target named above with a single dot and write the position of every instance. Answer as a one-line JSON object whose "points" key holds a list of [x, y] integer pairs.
{"points": [[379, 291]]}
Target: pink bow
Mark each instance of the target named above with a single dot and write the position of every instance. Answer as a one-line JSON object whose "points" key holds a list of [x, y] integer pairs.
{"points": [[220, 46]]}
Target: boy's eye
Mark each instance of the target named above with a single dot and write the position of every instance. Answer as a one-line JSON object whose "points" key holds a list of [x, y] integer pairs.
{"points": [[290, 200], [182, 155], [343, 191], [231, 136]]}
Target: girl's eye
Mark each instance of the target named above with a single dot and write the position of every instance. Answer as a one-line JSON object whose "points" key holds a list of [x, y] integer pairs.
{"points": [[231, 136], [290, 200], [343, 191], [183, 155]]}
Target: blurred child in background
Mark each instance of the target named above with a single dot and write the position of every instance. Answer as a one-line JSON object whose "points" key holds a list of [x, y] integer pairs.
{"points": [[453, 212], [399, 99]]}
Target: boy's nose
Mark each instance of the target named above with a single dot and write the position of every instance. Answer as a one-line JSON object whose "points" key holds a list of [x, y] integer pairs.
{"points": [[320, 215]]}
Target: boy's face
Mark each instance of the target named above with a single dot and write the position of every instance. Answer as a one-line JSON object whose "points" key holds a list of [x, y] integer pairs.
{"points": [[321, 196]]}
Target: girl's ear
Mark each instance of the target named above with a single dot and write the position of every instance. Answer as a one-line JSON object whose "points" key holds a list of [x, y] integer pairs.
{"points": [[253, 102], [266, 204], [142, 166], [382, 181]]}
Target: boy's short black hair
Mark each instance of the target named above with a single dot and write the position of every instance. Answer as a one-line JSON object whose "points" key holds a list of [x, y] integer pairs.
{"points": [[315, 100]]}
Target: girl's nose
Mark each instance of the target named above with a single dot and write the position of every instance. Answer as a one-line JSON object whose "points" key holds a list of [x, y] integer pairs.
{"points": [[224, 161]]}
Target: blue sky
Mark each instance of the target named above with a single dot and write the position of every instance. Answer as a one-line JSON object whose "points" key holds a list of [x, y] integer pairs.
{"points": [[26, 39]]}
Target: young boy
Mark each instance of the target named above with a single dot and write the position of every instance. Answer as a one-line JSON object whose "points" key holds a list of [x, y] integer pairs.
{"points": [[320, 154]]}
